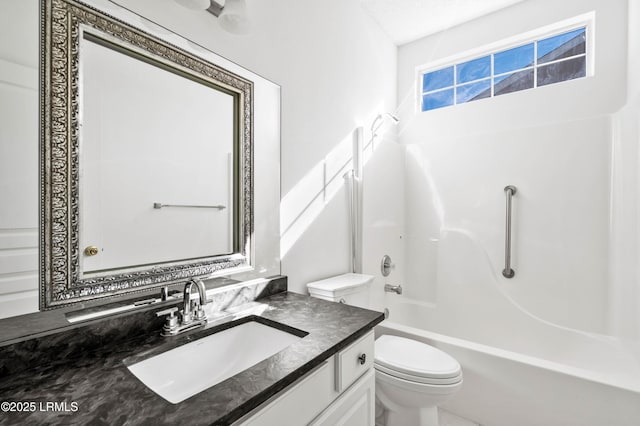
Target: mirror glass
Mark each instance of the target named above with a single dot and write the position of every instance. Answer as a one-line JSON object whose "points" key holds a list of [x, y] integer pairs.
{"points": [[147, 160], [19, 29], [158, 185]]}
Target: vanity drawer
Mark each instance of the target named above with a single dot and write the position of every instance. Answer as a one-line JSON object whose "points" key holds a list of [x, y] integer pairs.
{"points": [[353, 361]]}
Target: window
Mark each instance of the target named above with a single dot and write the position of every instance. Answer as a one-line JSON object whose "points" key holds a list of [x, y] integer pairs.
{"points": [[554, 59]]}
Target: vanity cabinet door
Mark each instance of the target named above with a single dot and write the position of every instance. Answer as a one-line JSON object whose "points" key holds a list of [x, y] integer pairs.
{"points": [[341, 391], [355, 407], [298, 405]]}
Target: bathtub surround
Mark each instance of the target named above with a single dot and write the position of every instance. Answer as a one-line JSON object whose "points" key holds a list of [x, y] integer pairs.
{"points": [[85, 365], [567, 322], [561, 239]]}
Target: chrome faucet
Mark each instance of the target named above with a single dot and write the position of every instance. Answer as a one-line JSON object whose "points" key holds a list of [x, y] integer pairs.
{"points": [[191, 316], [187, 315], [393, 288]]}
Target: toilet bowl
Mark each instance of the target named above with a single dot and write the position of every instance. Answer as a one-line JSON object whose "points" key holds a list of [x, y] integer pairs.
{"points": [[413, 379]]}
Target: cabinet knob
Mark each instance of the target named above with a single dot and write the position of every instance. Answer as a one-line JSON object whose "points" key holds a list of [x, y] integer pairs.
{"points": [[362, 359]]}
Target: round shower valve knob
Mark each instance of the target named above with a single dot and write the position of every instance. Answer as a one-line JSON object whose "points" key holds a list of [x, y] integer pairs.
{"points": [[386, 266]]}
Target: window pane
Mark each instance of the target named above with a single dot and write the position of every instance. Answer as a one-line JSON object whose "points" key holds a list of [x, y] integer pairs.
{"points": [[437, 79], [473, 91], [473, 70], [562, 46], [439, 99], [513, 82], [513, 59], [562, 71]]}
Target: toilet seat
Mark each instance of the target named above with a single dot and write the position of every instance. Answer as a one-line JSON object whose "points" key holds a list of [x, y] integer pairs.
{"points": [[417, 379], [415, 361]]}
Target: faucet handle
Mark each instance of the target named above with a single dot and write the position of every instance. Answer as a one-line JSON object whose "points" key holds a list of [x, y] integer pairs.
{"points": [[198, 309], [171, 322], [169, 312], [200, 314]]}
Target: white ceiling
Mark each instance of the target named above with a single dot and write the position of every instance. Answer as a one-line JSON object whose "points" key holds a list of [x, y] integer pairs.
{"points": [[408, 20]]}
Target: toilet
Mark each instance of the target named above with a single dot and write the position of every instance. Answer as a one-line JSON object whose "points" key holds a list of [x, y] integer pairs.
{"points": [[412, 378]]}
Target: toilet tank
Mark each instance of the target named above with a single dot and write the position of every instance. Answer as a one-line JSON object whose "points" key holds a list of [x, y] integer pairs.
{"points": [[352, 289]]}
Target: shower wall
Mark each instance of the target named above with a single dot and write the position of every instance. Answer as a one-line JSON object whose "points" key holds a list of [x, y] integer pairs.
{"points": [[569, 148], [560, 228]]}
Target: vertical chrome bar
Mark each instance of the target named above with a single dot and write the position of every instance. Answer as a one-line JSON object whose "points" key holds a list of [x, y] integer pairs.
{"points": [[508, 272]]}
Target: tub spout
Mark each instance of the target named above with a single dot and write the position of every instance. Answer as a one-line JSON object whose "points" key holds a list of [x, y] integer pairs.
{"points": [[393, 288]]}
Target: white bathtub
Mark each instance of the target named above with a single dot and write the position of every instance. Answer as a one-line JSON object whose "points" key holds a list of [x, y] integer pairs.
{"points": [[527, 373]]}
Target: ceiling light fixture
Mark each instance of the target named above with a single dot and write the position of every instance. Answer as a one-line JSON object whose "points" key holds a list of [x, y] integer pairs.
{"points": [[232, 14], [194, 4]]}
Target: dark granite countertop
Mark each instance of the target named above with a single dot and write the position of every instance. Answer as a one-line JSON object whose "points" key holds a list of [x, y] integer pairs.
{"points": [[92, 385]]}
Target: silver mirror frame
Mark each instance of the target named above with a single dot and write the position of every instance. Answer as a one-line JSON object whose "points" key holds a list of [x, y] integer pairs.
{"points": [[62, 23]]}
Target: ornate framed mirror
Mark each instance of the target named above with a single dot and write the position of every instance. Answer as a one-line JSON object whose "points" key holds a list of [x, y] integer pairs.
{"points": [[146, 160]]}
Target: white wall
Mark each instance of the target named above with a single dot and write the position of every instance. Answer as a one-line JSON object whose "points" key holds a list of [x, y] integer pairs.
{"points": [[337, 72], [554, 143]]}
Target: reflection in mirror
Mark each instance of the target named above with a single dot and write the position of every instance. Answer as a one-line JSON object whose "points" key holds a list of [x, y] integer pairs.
{"points": [[18, 157], [173, 145], [147, 162]]}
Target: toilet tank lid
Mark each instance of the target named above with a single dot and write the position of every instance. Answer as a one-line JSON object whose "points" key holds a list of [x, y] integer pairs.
{"points": [[341, 282]]}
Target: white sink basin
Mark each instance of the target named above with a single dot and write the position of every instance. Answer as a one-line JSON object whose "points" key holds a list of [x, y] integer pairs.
{"points": [[187, 370]]}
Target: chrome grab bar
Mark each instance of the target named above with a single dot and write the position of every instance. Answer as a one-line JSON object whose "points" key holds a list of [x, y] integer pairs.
{"points": [[508, 272], [160, 205]]}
